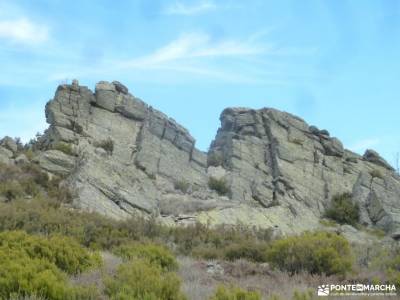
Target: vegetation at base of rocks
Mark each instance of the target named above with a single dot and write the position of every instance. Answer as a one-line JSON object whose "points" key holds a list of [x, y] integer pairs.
{"points": [[219, 185], [255, 252], [215, 159], [107, 145], [157, 255], [28, 181], [65, 148], [328, 223], [316, 253], [376, 174], [343, 210], [44, 221], [139, 280], [235, 293], [182, 185], [33, 265]]}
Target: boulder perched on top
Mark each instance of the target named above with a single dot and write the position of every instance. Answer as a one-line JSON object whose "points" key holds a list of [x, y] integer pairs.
{"points": [[374, 157]]}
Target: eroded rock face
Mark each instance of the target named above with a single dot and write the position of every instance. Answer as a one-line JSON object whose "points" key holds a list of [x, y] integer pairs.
{"points": [[125, 157], [276, 159]]}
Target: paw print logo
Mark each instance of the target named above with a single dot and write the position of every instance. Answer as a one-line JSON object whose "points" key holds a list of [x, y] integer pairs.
{"points": [[323, 291]]}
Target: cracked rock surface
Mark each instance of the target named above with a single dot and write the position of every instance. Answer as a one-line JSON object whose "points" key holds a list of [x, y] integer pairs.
{"points": [[128, 158]]}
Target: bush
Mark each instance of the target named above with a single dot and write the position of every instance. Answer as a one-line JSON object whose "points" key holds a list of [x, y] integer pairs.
{"points": [[32, 266], [182, 186], [154, 254], [64, 148], [249, 251], [65, 253], [316, 253], [234, 293], [140, 280], [107, 145], [219, 185], [343, 210]]}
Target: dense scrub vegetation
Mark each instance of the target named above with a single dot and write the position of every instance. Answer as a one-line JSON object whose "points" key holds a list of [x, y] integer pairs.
{"points": [[153, 254], [316, 253], [44, 242], [35, 265], [219, 185], [235, 293], [140, 279]]}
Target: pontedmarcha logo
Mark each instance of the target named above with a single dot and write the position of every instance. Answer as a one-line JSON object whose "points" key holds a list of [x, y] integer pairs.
{"points": [[357, 290]]}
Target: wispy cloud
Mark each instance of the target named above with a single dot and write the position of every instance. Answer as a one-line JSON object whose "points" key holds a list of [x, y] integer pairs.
{"points": [[197, 55], [180, 8], [196, 45], [23, 31], [362, 145]]}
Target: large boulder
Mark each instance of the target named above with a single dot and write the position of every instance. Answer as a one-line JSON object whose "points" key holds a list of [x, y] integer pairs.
{"points": [[56, 162], [5, 156], [9, 143]]}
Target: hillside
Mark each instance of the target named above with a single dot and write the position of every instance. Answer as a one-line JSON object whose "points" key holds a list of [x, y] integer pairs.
{"points": [[267, 168], [115, 195]]}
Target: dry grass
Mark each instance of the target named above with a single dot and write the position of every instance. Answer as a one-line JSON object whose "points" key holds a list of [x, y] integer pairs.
{"points": [[199, 283], [95, 277]]}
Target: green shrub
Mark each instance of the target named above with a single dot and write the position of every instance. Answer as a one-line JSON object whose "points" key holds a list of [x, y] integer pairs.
{"points": [[65, 253], [316, 253], [140, 280], [219, 185], [29, 267], [234, 293], [64, 148], [182, 186], [249, 251], [343, 210], [152, 253], [107, 145]]}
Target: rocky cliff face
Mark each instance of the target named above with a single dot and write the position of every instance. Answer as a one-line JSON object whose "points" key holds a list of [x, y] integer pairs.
{"points": [[265, 167]]}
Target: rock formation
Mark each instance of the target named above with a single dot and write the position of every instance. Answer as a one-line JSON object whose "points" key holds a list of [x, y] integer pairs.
{"points": [[265, 167]]}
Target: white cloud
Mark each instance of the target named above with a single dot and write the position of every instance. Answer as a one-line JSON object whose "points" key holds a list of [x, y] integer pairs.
{"points": [[180, 8], [196, 45], [362, 145], [23, 31]]}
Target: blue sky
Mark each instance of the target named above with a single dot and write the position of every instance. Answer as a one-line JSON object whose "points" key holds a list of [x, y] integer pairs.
{"points": [[335, 63]]}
